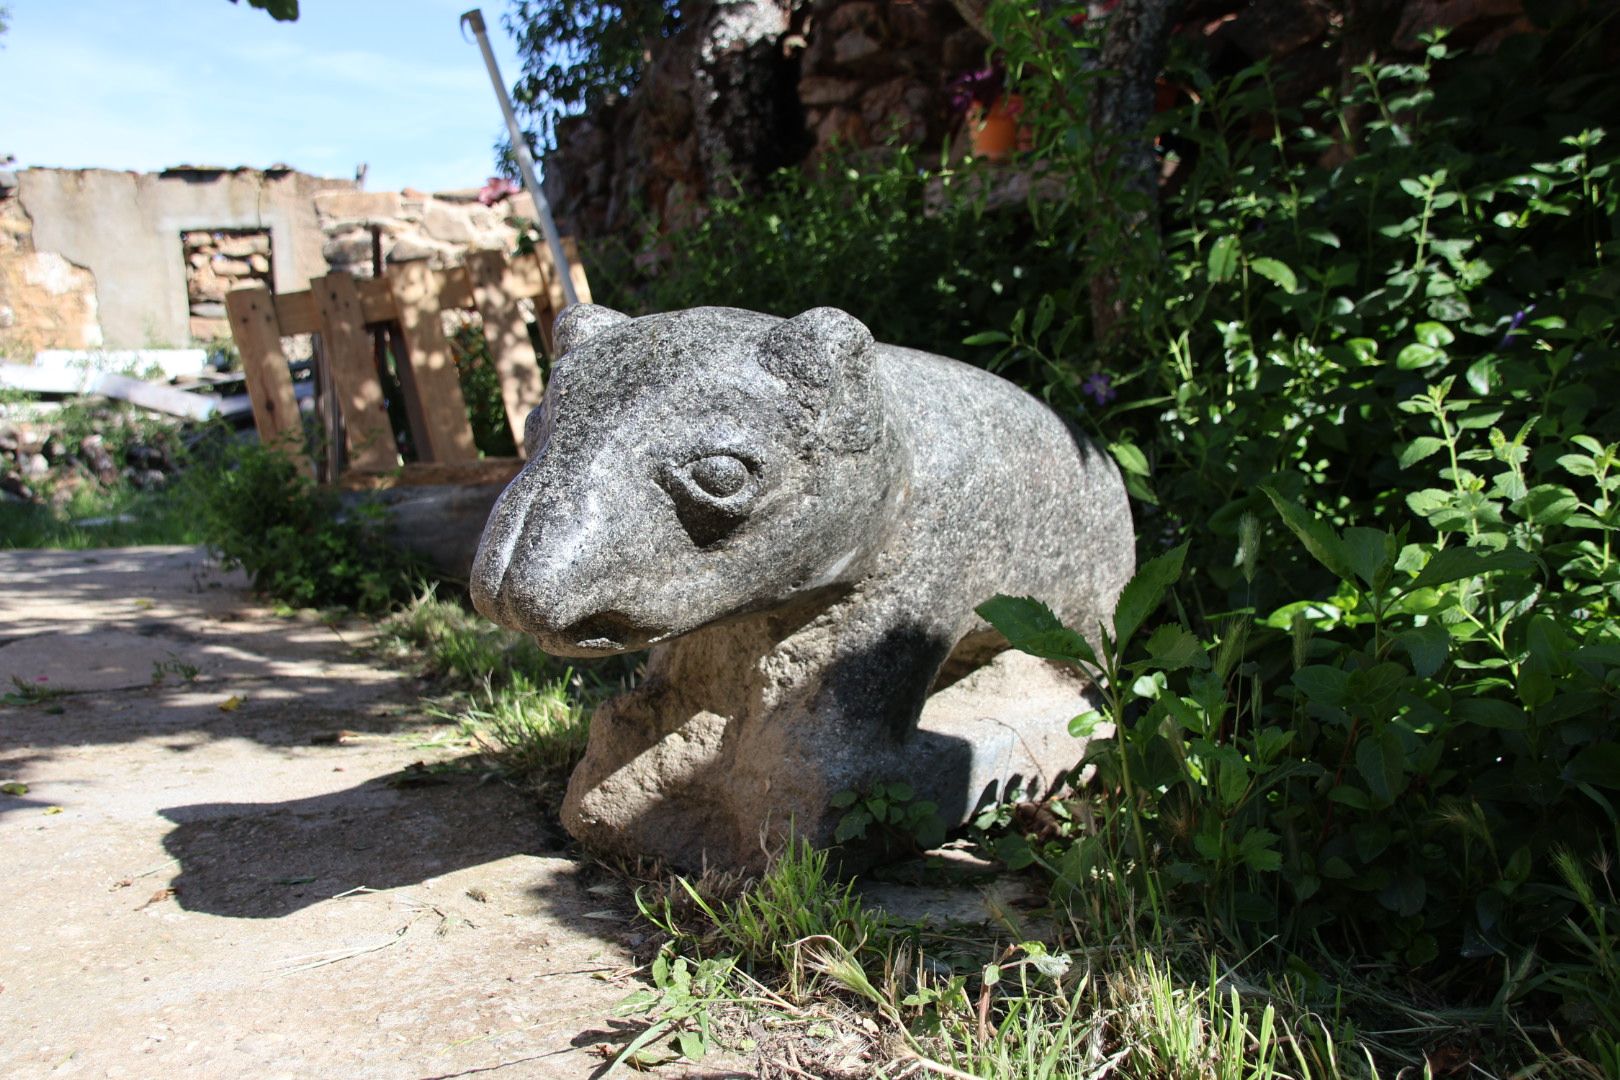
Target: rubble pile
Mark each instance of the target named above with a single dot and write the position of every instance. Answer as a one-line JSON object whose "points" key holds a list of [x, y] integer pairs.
{"points": [[46, 459]]}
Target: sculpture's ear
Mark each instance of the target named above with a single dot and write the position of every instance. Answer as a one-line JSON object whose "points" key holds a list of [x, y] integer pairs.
{"points": [[825, 356], [581, 322], [819, 349]]}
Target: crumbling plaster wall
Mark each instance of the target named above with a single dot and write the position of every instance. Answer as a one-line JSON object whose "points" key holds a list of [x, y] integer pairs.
{"points": [[124, 228], [45, 301]]}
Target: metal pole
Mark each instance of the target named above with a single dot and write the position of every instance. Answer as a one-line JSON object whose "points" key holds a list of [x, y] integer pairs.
{"points": [[525, 160]]}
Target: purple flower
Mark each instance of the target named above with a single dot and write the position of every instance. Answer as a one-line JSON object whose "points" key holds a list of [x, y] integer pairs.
{"points": [[1100, 388], [1518, 321], [970, 88]]}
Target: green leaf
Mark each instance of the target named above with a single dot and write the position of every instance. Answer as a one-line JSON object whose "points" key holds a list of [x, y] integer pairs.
{"points": [[1277, 272], [851, 826], [1455, 564], [1029, 626], [691, 1044], [14, 787], [1370, 552], [1598, 764], [1547, 505], [1323, 684], [1175, 647], [1223, 256], [1428, 646], [1490, 713], [1417, 355], [844, 800], [1086, 724], [633, 1050], [1043, 317], [1144, 592], [1381, 760], [1404, 895], [1350, 796], [1434, 334], [1317, 535], [1258, 848], [987, 337], [900, 791], [1130, 458], [1420, 448], [1578, 465], [279, 10]]}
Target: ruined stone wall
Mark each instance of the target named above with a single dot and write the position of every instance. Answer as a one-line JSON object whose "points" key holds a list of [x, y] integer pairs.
{"points": [[46, 302], [751, 86], [410, 225], [129, 232], [94, 258]]}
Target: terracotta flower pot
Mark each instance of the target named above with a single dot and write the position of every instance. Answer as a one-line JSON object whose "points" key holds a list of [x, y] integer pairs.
{"points": [[994, 131]]}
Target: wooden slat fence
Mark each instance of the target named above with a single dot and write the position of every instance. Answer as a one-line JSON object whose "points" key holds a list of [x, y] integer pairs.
{"points": [[344, 312]]}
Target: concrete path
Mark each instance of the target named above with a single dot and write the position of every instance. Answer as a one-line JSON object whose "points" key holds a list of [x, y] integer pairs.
{"points": [[210, 875]]}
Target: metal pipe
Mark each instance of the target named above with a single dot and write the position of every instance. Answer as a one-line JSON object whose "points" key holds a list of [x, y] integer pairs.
{"points": [[525, 160]]}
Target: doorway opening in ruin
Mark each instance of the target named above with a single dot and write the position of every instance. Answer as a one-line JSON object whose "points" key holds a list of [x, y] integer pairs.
{"points": [[217, 261]]}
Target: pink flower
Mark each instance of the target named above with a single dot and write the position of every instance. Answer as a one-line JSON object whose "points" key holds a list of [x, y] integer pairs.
{"points": [[499, 189]]}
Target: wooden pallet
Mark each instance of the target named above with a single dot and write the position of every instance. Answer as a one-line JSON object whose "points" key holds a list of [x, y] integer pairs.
{"points": [[346, 313]]}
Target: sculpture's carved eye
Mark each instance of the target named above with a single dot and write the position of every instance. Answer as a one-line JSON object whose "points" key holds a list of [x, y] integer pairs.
{"points": [[719, 475], [713, 494]]}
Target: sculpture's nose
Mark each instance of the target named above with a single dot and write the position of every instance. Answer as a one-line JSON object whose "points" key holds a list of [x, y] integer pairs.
{"points": [[500, 549]]}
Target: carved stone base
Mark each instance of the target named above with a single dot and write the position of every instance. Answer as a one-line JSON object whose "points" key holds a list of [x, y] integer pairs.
{"points": [[696, 788]]}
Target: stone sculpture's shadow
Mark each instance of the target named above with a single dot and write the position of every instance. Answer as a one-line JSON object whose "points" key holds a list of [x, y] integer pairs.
{"points": [[268, 860]]}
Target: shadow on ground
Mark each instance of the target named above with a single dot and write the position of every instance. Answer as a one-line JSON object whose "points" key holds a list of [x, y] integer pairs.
{"points": [[267, 860]]}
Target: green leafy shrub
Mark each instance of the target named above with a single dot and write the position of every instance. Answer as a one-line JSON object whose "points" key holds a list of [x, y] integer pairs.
{"points": [[298, 541], [481, 387], [922, 257], [1374, 397]]}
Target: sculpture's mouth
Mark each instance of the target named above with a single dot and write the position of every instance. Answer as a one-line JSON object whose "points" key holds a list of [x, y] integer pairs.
{"points": [[602, 634]]}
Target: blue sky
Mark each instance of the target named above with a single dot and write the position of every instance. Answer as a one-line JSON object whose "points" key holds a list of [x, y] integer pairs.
{"points": [[153, 83]]}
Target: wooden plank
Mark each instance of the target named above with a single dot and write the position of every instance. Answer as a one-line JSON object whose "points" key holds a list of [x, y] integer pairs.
{"points": [[148, 395], [298, 313], [346, 347], [576, 270], [494, 288], [550, 303], [448, 436], [258, 338], [157, 397], [422, 474]]}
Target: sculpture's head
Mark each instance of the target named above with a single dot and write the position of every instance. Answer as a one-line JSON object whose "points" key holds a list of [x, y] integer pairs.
{"points": [[688, 467]]}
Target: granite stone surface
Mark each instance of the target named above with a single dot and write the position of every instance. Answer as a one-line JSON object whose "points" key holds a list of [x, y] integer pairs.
{"points": [[798, 522]]}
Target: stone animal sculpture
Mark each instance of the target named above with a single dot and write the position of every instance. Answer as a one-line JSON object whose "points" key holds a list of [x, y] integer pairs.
{"points": [[799, 522]]}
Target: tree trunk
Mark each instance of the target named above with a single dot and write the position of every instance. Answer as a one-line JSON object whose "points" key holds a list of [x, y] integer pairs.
{"points": [[1135, 39]]}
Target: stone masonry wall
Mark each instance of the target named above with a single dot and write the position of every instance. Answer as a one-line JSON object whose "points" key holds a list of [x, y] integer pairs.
{"points": [[412, 225], [860, 73]]}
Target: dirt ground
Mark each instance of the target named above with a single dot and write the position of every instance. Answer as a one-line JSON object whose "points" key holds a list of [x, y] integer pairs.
{"points": [[205, 877]]}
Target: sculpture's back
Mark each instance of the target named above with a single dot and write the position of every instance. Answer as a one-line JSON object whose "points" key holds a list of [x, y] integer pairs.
{"points": [[799, 522]]}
